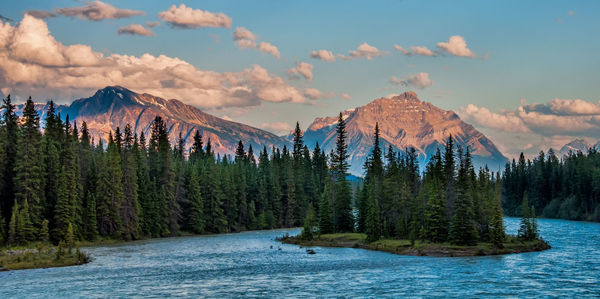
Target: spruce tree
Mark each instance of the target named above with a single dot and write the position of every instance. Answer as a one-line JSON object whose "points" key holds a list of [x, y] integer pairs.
{"points": [[44, 234], [343, 218], [497, 235], [9, 133], [326, 212], [28, 173], [195, 221], [462, 226], [310, 223]]}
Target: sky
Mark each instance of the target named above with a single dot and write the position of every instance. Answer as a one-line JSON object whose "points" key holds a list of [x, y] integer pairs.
{"points": [[525, 73]]}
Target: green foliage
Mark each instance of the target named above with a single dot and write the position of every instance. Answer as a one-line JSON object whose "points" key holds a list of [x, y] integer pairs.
{"points": [[528, 230], [326, 212], [44, 234], [310, 224]]}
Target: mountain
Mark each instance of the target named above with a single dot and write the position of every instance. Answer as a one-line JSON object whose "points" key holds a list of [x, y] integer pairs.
{"points": [[577, 145], [404, 121], [115, 106]]}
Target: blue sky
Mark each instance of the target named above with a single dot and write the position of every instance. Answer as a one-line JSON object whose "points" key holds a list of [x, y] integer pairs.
{"points": [[525, 52]]}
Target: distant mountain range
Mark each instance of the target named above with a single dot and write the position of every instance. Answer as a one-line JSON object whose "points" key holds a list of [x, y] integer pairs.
{"points": [[404, 121], [115, 106], [577, 145]]}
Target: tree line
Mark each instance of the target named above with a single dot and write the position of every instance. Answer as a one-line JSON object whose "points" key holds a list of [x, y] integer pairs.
{"points": [[58, 184], [567, 188]]}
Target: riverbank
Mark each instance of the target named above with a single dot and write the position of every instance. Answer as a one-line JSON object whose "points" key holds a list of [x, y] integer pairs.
{"points": [[404, 247], [20, 258]]}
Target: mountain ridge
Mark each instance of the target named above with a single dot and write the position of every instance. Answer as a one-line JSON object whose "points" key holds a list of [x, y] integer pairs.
{"points": [[404, 121]]}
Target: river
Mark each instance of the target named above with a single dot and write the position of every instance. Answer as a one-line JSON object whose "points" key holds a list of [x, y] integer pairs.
{"points": [[253, 264]]}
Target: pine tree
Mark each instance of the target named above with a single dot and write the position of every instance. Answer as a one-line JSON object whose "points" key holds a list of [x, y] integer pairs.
{"points": [[91, 231], [28, 173], [44, 235], [497, 235], [373, 221], [109, 194], [9, 134], [343, 218], [462, 226], [13, 225], [325, 212], [310, 223], [130, 208], [25, 230], [63, 212], [195, 221]]}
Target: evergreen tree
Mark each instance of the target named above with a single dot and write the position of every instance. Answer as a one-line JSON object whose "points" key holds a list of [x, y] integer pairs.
{"points": [[9, 136], [109, 194], [28, 173], [497, 236], [44, 235], [462, 226], [343, 218], [195, 221], [326, 212], [310, 223]]}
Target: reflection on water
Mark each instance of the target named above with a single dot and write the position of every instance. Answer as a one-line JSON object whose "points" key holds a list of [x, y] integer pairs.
{"points": [[251, 264]]}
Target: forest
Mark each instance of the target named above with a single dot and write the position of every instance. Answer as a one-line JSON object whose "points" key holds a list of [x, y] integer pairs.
{"points": [[57, 184], [567, 188]]}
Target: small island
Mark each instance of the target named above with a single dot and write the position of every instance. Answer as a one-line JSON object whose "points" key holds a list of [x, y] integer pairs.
{"points": [[419, 248]]}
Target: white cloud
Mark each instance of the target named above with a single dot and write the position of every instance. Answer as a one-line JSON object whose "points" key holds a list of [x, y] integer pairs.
{"points": [[93, 11], [346, 96], [301, 69], [152, 24], [559, 117], [135, 29], [245, 39], [324, 55], [242, 33], [421, 50], [484, 117], [277, 128], [269, 49], [456, 46], [571, 13], [401, 50], [364, 50], [420, 81], [33, 63], [186, 17]]}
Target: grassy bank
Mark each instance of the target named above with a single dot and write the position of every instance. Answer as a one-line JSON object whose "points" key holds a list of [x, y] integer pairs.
{"points": [[42, 256], [419, 248]]}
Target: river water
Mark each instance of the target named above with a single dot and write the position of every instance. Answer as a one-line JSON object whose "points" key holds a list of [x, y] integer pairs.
{"points": [[253, 264]]}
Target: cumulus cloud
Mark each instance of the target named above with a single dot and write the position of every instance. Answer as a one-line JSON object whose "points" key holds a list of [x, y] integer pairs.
{"points": [[245, 39], [242, 33], [324, 55], [269, 49], [457, 46], [33, 63], [188, 18], [482, 116], [93, 11], [301, 69], [421, 50], [277, 128], [420, 80], [364, 50], [402, 50], [135, 29], [559, 117], [415, 50]]}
